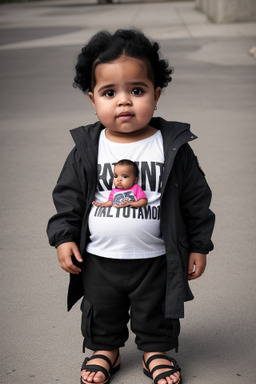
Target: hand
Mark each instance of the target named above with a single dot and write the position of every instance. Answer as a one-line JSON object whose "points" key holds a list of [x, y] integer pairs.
{"points": [[136, 204], [108, 203], [123, 205], [196, 265], [64, 253]]}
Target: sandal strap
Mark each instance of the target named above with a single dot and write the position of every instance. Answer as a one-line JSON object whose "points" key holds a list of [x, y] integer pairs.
{"points": [[164, 375], [157, 357], [154, 357], [172, 369], [96, 367], [157, 367], [114, 363], [103, 357]]}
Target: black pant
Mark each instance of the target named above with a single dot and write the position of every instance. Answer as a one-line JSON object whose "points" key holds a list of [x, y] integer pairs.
{"points": [[112, 289]]}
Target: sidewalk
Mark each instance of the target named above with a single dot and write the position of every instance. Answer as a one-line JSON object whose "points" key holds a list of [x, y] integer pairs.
{"points": [[174, 20], [214, 89]]}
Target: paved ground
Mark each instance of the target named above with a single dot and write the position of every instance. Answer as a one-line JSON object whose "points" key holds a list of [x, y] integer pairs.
{"points": [[213, 89]]}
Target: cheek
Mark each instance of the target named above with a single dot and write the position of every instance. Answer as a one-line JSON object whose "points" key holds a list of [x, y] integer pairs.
{"points": [[128, 183], [104, 110], [145, 112], [103, 116], [147, 105]]}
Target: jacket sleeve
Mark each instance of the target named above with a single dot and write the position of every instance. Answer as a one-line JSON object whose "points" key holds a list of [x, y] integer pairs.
{"points": [[195, 202], [69, 200]]}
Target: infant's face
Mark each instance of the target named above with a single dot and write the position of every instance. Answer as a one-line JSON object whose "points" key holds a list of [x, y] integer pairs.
{"points": [[124, 97], [124, 177]]}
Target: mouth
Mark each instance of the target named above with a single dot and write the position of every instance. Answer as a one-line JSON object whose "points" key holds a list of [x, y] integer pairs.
{"points": [[125, 116]]}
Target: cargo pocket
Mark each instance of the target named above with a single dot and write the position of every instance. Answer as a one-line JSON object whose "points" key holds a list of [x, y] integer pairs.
{"points": [[86, 326]]}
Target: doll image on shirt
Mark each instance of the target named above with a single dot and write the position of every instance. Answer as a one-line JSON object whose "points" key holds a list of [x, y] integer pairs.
{"points": [[126, 192], [130, 266]]}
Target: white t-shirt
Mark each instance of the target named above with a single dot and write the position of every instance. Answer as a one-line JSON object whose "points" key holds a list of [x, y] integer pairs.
{"points": [[128, 233]]}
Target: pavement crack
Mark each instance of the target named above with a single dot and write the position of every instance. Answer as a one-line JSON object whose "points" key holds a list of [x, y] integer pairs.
{"points": [[182, 21]]}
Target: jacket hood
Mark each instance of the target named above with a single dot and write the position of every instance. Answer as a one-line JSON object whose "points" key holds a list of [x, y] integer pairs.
{"points": [[85, 136]]}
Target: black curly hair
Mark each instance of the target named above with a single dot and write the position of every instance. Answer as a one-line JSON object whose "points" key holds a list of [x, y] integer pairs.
{"points": [[105, 47], [131, 163]]}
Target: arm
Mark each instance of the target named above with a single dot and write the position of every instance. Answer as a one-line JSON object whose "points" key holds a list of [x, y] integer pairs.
{"points": [[64, 227], [108, 203], [141, 198], [195, 202], [199, 219]]}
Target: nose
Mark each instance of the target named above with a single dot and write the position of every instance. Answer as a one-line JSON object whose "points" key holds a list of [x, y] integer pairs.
{"points": [[124, 100]]}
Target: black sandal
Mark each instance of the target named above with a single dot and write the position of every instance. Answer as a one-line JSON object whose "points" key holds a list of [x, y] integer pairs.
{"points": [[173, 369], [98, 368]]}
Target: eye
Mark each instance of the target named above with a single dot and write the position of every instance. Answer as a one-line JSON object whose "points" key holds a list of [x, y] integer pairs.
{"points": [[137, 91], [115, 176], [109, 93]]}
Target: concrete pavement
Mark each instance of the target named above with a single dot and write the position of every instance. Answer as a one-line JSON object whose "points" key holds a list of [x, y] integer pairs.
{"points": [[213, 88]]}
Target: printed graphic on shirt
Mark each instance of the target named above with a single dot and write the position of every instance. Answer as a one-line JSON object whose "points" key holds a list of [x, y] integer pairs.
{"points": [[128, 232], [143, 213], [149, 175], [149, 179], [123, 197]]}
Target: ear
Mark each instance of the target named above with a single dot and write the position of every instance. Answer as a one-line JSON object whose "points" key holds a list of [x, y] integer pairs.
{"points": [[91, 97], [136, 180], [158, 92]]}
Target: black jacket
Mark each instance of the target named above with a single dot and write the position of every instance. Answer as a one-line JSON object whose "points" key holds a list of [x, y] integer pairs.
{"points": [[186, 220]]}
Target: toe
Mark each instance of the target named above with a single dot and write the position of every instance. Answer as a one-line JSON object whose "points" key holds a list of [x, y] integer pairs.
{"points": [[175, 378], [99, 377], [84, 375], [87, 376], [169, 380], [162, 381], [92, 377]]}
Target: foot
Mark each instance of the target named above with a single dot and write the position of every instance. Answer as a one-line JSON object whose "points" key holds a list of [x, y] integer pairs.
{"points": [[152, 370], [96, 376]]}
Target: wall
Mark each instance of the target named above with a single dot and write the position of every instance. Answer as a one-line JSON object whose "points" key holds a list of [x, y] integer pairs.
{"points": [[228, 11]]}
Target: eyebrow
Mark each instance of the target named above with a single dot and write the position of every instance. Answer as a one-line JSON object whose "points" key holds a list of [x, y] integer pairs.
{"points": [[107, 86]]}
